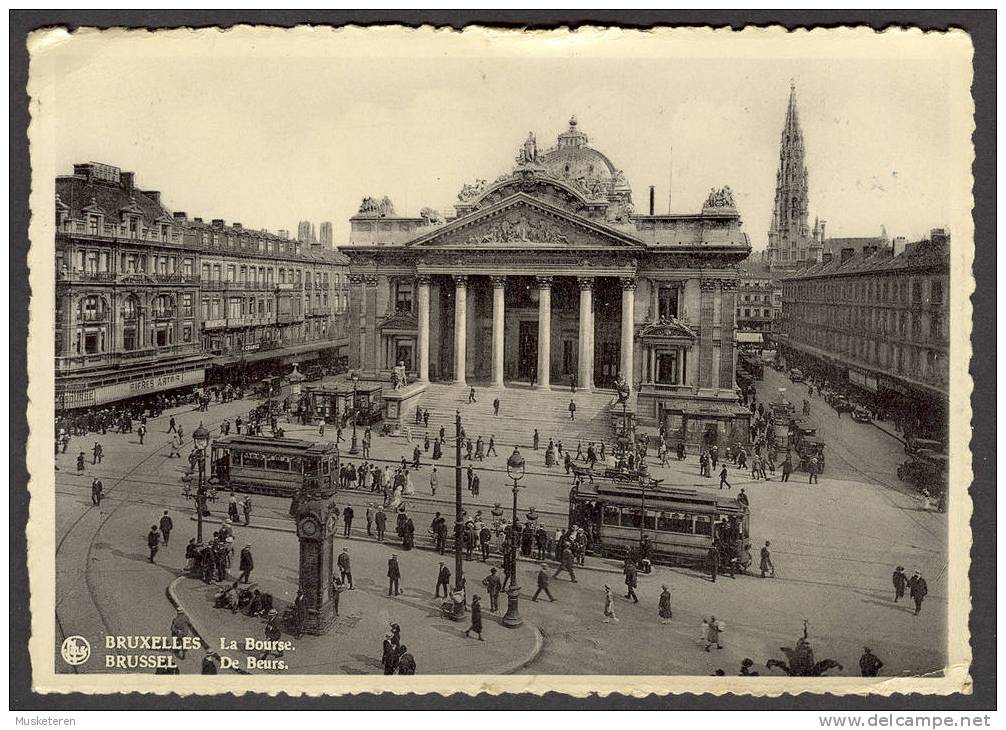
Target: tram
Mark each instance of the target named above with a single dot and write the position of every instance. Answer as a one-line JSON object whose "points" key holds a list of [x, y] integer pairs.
{"points": [[681, 524], [278, 467]]}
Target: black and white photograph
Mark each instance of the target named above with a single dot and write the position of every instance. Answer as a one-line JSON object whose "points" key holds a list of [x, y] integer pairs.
{"points": [[417, 360]]}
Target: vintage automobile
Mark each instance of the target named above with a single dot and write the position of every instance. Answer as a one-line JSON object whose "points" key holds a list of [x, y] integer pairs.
{"points": [[807, 449], [927, 471], [842, 404], [915, 445], [796, 375], [800, 429], [861, 414]]}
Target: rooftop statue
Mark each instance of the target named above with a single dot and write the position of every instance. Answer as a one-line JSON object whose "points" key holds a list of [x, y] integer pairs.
{"points": [[528, 154], [722, 198], [471, 191], [381, 208]]}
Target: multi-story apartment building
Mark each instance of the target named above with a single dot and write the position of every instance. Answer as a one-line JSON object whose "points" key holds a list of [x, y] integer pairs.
{"points": [[877, 324], [150, 301], [759, 297]]}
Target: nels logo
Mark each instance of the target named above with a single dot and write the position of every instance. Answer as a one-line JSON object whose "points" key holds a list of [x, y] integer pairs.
{"points": [[75, 650]]}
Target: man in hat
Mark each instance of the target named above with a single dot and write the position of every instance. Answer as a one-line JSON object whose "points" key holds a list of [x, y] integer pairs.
{"points": [[443, 580], [370, 518], [347, 518], [918, 590], [542, 583], [179, 630], [166, 527], [273, 631], [766, 565], [900, 581], [493, 587], [153, 541], [746, 665], [345, 568], [869, 664], [380, 521], [211, 662], [246, 565], [394, 576]]}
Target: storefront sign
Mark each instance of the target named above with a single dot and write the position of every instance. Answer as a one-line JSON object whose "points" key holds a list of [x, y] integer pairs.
{"points": [[895, 386], [863, 380], [142, 386]]}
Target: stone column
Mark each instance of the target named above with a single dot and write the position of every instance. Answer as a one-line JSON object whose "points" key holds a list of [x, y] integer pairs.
{"points": [[423, 284], [460, 326], [728, 296], [707, 303], [356, 302], [585, 359], [372, 350], [499, 287], [544, 331], [628, 330]]}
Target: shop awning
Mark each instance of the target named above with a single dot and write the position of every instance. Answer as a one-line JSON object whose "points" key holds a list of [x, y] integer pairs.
{"points": [[749, 338]]}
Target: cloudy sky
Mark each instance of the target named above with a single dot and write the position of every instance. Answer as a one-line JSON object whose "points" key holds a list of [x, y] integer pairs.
{"points": [[267, 129]]}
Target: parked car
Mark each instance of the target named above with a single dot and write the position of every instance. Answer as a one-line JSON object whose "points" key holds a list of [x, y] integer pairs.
{"points": [[842, 404], [915, 445], [796, 375], [861, 414]]}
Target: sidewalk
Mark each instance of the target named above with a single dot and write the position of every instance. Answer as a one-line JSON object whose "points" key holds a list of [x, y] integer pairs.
{"points": [[353, 644]]}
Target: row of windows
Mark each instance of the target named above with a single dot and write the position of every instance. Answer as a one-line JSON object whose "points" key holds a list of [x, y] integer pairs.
{"points": [[682, 523], [233, 273], [100, 261], [917, 291], [918, 326]]}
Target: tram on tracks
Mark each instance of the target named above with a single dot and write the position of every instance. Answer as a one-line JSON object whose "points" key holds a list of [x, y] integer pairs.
{"points": [[681, 524], [278, 467]]}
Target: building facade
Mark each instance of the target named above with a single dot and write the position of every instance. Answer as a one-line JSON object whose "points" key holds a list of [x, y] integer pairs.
{"points": [[149, 301], [759, 299], [878, 325], [548, 276]]}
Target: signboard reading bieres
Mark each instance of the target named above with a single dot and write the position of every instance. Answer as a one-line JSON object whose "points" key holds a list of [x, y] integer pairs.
{"points": [[142, 386]]}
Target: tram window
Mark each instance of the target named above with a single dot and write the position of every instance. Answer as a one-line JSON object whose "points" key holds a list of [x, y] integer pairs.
{"points": [[675, 522], [296, 465], [703, 525], [632, 517], [324, 467], [650, 520], [277, 463], [610, 516], [253, 461]]}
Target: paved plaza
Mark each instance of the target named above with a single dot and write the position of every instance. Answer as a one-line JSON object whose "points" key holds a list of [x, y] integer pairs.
{"points": [[834, 545]]}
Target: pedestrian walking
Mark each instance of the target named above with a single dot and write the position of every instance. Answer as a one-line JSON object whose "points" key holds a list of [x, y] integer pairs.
{"points": [[246, 507], [380, 522], [97, 453], [347, 519], [97, 491], [338, 586], [496, 406], [471, 395], [491, 450], [723, 478], [766, 565], [812, 470], [232, 509], [534, 440], [572, 410], [171, 425], [664, 605], [542, 584], [246, 565], [406, 662], [900, 583], [210, 663], [476, 625], [631, 580], [918, 590], [345, 568], [713, 632], [141, 432], [869, 664], [713, 561], [566, 564], [153, 541], [787, 468], [369, 514], [609, 606], [180, 629], [166, 526], [475, 485], [394, 576], [742, 498], [443, 580]]}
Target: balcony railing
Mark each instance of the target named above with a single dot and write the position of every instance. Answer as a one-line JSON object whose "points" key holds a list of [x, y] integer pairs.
{"points": [[66, 363], [128, 277]]}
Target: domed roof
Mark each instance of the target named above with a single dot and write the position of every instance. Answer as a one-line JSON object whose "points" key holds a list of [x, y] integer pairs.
{"points": [[572, 158]]}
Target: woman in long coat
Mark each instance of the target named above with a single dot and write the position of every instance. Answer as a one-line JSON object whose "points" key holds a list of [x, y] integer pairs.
{"points": [[664, 605]]}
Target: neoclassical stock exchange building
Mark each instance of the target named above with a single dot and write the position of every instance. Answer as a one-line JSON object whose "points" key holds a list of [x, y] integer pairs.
{"points": [[548, 277]]}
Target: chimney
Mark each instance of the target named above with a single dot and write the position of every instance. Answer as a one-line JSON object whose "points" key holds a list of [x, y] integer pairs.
{"points": [[126, 180], [155, 195], [847, 253], [939, 236], [197, 220], [236, 225], [218, 222], [179, 215], [652, 199], [899, 245]]}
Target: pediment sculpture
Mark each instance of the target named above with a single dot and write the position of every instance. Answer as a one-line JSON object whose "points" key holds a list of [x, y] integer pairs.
{"points": [[470, 191], [519, 229], [667, 327]]}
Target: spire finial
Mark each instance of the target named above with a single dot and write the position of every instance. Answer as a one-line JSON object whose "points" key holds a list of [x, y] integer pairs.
{"points": [[792, 84], [572, 121]]}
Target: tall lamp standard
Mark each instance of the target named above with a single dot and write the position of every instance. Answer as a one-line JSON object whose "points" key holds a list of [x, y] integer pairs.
{"points": [[353, 449], [201, 439], [515, 470]]}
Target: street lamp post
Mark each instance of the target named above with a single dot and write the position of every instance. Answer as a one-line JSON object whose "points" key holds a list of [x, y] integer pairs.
{"points": [[201, 439], [514, 470], [353, 448], [458, 607]]}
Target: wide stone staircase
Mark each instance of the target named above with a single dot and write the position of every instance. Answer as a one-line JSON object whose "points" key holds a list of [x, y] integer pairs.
{"points": [[522, 410]]}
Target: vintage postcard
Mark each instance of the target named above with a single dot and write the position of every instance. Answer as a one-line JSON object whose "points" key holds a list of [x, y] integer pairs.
{"points": [[386, 359]]}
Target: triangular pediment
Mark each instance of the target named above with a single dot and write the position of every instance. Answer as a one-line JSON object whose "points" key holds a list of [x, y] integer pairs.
{"points": [[667, 328], [521, 222]]}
